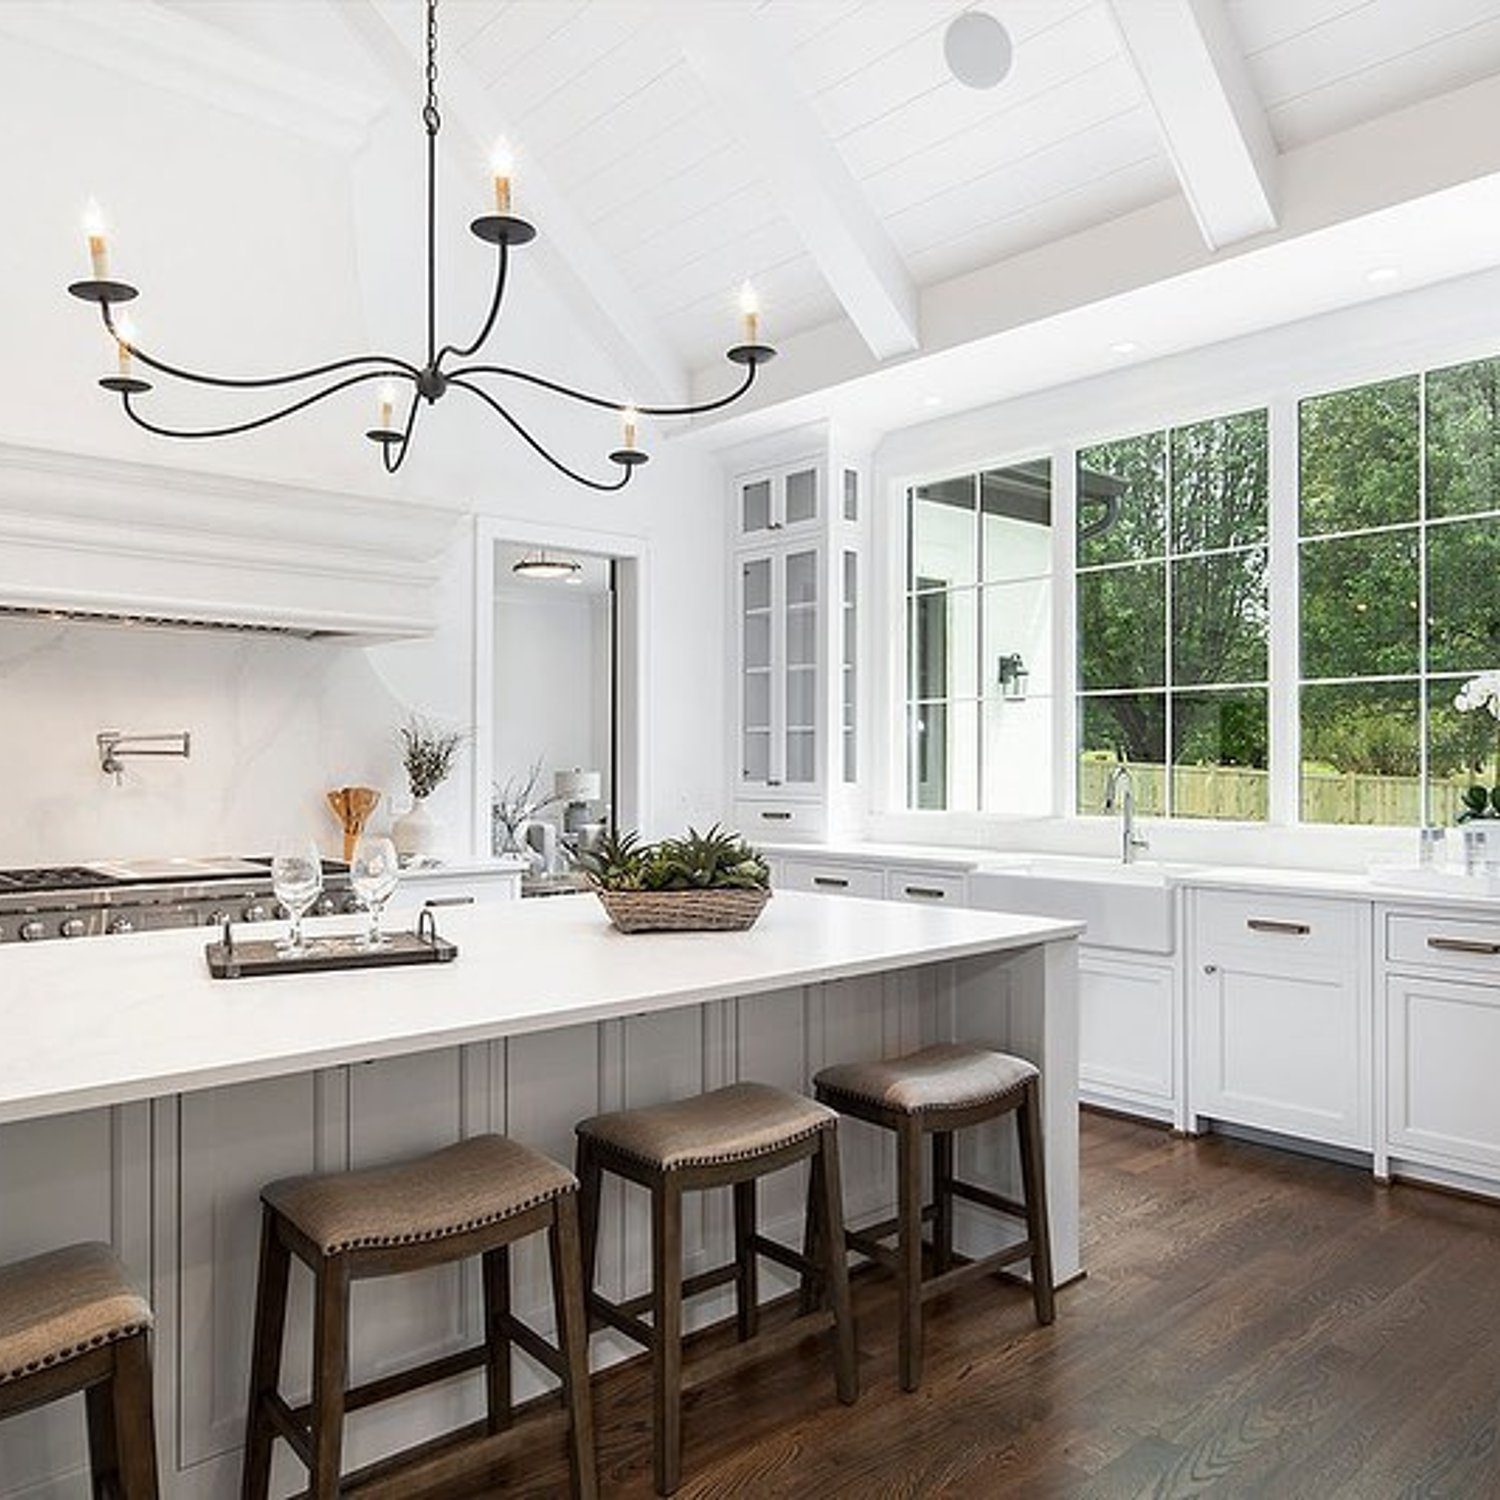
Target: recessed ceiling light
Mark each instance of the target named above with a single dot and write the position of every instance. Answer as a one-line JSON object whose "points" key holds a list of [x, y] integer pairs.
{"points": [[1378, 274], [932, 400], [1125, 346], [977, 49]]}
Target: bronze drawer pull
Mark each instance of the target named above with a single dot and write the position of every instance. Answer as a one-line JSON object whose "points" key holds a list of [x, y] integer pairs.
{"points": [[833, 882], [777, 817], [1265, 924], [928, 892], [1463, 945]]}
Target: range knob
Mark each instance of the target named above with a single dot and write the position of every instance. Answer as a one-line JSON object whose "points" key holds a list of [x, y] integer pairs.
{"points": [[257, 911], [121, 924], [32, 931], [72, 927]]}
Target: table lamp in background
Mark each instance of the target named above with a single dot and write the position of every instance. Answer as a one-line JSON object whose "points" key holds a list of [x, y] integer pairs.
{"points": [[578, 791]]}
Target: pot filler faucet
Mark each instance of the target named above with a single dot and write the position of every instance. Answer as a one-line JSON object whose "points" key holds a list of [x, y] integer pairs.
{"points": [[114, 747], [1119, 791]]}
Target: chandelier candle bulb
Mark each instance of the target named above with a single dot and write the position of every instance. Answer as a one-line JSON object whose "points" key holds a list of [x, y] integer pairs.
{"points": [[750, 313], [630, 420], [124, 339], [502, 166], [387, 407], [93, 227]]}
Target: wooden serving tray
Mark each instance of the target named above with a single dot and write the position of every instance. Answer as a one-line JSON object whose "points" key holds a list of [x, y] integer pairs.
{"points": [[228, 959]]}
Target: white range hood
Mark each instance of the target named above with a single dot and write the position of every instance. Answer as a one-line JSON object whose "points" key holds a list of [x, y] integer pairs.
{"points": [[146, 543]]}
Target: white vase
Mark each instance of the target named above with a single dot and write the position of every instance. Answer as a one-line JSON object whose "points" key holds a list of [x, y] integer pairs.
{"points": [[416, 832]]}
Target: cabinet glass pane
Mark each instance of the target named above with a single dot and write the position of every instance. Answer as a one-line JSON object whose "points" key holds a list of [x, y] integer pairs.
{"points": [[1361, 610], [1122, 500], [758, 640], [1220, 744], [801, 637], [1463, 597], [1015, 506], [1360, 758], [757, 767], [1463, 750], [1219, 483], [1358, 457], [943, 637], [944, 543], [1122, 627], [851, 495], [801, 757], [1220, 618], [802, 698], [757, 700], [755, 506], [757, 583], [1463, 439], [802, 578], [1132, 723], [848, 693], [801, 496]]}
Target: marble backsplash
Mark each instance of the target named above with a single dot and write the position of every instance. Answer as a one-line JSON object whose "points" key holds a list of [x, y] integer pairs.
{"points": [[274, 723]]}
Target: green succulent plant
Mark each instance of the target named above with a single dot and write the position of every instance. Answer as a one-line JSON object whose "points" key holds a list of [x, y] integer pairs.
{"points": [[1480, 802], [714, 861]]}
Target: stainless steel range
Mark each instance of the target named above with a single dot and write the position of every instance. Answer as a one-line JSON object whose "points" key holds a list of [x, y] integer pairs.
{"points": [[69, 901]]}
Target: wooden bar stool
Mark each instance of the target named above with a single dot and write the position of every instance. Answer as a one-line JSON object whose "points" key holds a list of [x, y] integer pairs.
{"points": [[70, 1321], [728, 1138], [474, 1198], [933, 1093]]}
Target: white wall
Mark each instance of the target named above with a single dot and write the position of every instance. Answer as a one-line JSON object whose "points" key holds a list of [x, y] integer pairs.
{"points": [[255, 250]]}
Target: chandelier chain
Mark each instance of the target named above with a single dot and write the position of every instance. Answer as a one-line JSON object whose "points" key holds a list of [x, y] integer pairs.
{"points": [[431, 118]]}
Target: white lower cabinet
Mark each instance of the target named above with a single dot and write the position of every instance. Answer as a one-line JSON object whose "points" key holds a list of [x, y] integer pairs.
{"points": [[830, 879], [930, 886], [1128, 1033], [1279, 1012]]}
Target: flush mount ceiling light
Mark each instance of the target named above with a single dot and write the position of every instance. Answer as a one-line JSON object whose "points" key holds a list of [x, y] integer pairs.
{"points": [[404, 383], [977, 49], [552, 568]]}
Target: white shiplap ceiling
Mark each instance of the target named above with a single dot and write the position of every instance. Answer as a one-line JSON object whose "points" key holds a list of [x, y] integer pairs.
{"points": [[603, 96]]}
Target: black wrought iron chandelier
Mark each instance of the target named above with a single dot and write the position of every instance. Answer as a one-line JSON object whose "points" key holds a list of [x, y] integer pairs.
{"points": [[445, 367]]}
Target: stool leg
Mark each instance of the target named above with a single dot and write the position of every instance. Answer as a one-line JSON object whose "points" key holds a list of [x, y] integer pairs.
{"points": [[496, 1274], [1034, 1186], [330, 1372], [104, 1464], [909, 1248], [810, 1291], [830, 1213], [563, 1240], [135, 1429], [590, 1186], [265, 1363], [666, 1341], [746, 1289], [942, 1199]]}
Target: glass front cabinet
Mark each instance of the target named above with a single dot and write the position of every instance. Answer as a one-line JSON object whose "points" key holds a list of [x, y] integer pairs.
{"points": [[798, 577]]}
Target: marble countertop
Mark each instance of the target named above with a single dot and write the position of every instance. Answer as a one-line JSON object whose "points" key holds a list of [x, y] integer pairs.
{"points": [[115, 1019]]}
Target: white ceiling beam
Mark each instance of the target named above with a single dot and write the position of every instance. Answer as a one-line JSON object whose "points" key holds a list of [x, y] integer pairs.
{"points": [[566, 252], [1211, 121], [776, 127]]}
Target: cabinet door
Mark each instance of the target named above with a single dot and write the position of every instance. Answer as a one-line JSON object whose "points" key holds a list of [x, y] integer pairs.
{"points": [[1127, 1032], [757, 669], [802, 633], [1283, 1050], [1442, 1039], [756, 510], [799, 497]]}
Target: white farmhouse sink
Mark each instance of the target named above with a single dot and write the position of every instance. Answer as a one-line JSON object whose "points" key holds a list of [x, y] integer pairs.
{"points": [[1125, 906]]}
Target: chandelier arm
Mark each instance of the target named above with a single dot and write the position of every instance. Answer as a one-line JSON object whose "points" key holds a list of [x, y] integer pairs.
{"points": [[603, 401], [535, 446], [392, 465], [489, 322], [241, 427]]}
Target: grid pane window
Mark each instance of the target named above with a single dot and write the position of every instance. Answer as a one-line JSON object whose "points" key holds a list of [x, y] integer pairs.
{"points": [[1173, 618], [979, 641], [1399, 594]]}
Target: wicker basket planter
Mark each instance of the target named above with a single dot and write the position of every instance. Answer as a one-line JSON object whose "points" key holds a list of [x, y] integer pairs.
{"points": [[683, 911]]}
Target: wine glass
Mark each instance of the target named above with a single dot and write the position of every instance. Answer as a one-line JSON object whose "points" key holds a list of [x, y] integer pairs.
{"points": [[297, 879], [373, 875]]}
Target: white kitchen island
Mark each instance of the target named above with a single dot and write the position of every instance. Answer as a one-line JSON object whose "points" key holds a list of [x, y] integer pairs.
{"points": [[145, 1103]]}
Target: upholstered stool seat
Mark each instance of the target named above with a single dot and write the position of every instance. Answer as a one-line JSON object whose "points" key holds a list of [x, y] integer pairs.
{"points": [[730, 1137], [946, 1076], [477, 1182], [935, 1092], [730, 1124], [472, 1199], [71, 1321]]}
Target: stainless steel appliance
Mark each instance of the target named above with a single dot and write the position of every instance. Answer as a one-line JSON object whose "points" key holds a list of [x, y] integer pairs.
{"points": [[70, 901]]}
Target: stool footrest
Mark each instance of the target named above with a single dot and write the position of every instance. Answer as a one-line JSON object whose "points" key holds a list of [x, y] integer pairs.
{"points": [[1000, 1204], [783, 1255], [973, 1270], [601, 1310], [867, 1244], [292, 1425], [545, 1354], [692, 1286], [707, 1368]]}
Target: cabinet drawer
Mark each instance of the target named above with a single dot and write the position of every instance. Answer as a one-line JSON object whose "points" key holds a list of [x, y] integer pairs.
{"points": [[832, 880], [1440, 943], [776, 822], [925, 886], [1280, 931]]}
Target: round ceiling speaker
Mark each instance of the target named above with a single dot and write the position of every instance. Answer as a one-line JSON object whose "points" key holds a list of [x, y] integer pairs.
{"points": [[977, 49]]}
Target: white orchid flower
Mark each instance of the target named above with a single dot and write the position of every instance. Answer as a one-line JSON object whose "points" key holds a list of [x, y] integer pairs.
{"points": [[1481, 692]]}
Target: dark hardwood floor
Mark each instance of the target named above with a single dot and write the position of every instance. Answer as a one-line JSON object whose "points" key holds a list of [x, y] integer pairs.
{"points": [[1252, 1324]]}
